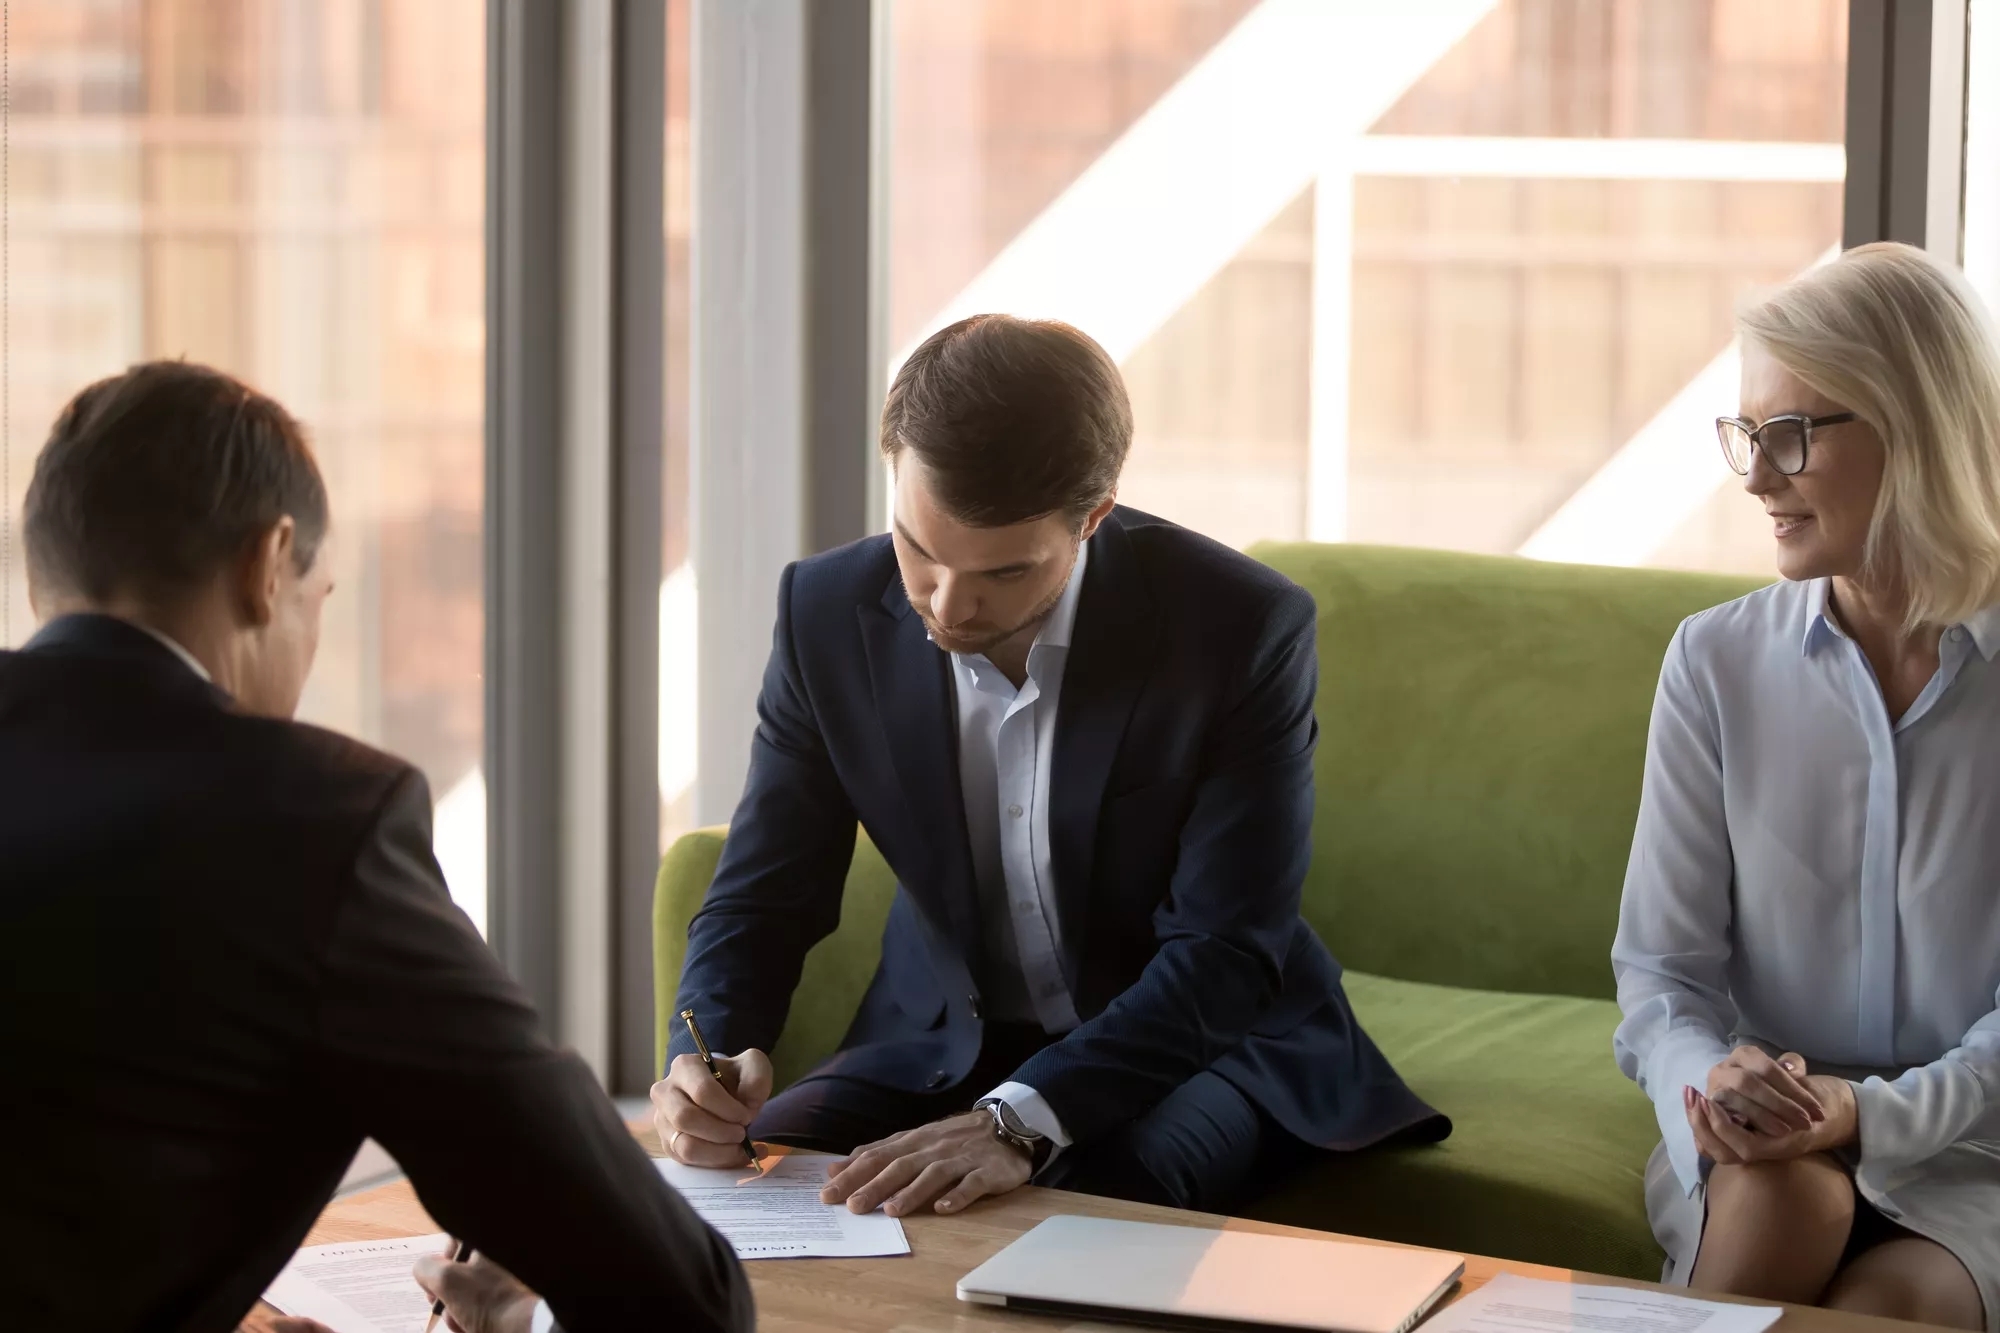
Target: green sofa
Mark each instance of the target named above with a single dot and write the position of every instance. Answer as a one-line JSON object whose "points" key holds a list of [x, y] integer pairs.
{"points": [[1482, 731]]}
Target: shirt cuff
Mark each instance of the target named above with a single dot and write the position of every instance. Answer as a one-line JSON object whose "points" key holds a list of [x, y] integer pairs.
{"points": [[1903, 1122], [1036, 1113], [1682, 1060], [1034, 1110], [544, 1320]]}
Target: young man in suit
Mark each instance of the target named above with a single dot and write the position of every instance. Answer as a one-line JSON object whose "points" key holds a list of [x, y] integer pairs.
{"points": [[229, 953], [1082, 737]]}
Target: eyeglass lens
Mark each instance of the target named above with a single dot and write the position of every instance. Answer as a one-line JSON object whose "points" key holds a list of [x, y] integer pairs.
{"points": [[1783, 442]]}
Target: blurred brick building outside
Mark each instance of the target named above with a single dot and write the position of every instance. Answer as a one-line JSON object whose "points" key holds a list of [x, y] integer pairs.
{"points": [[293, 190]]}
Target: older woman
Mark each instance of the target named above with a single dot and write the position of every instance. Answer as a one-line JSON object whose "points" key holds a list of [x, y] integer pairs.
{"points": [[1808, 954]]}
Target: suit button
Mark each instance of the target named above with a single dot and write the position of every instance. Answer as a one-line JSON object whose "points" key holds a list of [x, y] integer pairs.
{"points": [[973, 1000], [937, 1080]]}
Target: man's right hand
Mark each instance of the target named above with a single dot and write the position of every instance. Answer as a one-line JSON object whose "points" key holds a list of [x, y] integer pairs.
{"points": [[700, 1121], [479, 1297]]}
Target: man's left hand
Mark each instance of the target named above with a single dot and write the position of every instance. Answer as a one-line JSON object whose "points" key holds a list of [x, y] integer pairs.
{"points": [[952, 1161]]}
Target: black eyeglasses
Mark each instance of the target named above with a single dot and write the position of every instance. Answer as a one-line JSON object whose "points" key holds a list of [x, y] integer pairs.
{"points": [[1784, 440]]}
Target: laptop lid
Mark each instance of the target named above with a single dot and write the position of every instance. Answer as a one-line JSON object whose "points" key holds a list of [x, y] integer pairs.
{"points": [[1198, 1277]]}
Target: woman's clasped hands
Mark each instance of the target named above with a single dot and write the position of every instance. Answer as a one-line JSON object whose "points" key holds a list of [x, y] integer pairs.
{"points": [[1760, 1109]]}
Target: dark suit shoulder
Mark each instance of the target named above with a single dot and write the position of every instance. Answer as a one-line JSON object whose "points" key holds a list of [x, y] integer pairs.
{"points": [[304, 776], [349, 781], [317, 753], [819, 596], [856, 574], [181, 752], [1197, 578]]}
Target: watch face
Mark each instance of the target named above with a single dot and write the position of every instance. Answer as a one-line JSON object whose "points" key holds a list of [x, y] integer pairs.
{"points": [[1013, 1122]]}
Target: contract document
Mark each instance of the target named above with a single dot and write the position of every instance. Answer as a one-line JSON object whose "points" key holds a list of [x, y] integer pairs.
{"points": [[359, 1286], [1511, 1304], [772, 1211]]}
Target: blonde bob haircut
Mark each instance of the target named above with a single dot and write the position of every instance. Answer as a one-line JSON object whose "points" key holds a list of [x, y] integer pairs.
{"points": [[1902, 341]]}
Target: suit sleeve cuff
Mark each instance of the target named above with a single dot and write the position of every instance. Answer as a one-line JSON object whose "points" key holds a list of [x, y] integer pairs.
{"points": [[544, 1320]]}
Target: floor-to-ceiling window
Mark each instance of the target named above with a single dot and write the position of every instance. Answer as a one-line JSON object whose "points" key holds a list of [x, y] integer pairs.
{"points": [[290, 190], [1980, 238], [677, 587], [1459, 274]]}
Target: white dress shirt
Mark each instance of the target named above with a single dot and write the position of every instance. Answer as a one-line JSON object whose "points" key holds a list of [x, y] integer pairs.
{"points": [[173, 645], [1006, 739], [1809, 876]]}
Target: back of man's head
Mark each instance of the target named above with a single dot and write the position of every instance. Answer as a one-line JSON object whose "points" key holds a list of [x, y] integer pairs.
{"points": [[152, 482]]}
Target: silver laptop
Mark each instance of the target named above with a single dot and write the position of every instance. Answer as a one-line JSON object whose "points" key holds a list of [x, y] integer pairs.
{"points": [[1197, 1277]]}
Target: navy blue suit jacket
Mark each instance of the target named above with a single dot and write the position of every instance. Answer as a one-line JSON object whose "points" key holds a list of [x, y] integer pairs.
{"points": [[1180, 823]]}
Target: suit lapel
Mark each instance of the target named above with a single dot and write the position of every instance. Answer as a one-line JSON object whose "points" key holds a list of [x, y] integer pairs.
{"points": [[1110, 656], [910, 679]]}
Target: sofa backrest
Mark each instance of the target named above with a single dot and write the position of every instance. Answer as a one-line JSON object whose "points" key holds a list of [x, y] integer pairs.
{"points": [[1482, 731], [1482, 735]]}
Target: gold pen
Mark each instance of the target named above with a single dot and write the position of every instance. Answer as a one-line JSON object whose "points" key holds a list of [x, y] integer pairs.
{"points": [[687, 1017]]}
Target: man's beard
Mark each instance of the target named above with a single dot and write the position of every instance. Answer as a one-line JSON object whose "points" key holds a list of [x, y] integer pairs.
{"points": [[977, 640]]}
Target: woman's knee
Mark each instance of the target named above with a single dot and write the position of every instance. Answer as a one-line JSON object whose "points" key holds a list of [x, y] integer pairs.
{"points": [[1775, 1229], [1813, 1191], [1909, 1278]]}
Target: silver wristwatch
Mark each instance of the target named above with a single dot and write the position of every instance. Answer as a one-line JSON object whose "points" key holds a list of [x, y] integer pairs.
{"points": [[1009, 1128]]}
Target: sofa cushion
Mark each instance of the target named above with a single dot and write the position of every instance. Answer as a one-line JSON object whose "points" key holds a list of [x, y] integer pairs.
{"points": [[1549, 1143], [1482, 734]]}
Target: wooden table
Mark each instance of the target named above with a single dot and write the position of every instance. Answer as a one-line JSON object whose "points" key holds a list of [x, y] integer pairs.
{"points": [[917, 1294]]}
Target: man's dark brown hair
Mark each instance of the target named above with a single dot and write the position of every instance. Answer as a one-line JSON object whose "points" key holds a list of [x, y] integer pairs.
{"points": [[1013, 419], [153, 480]]}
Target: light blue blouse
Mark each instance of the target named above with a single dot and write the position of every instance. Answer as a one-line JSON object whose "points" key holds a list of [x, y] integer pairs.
{"points": [[1808, 876]]}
